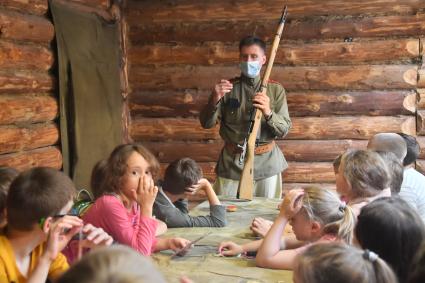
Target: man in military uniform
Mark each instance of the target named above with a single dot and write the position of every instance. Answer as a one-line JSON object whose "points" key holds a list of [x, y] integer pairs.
{"points": [[231, 103]]}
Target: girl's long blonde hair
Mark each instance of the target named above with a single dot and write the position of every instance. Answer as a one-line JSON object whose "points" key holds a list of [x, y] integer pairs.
{"points": [[324, 206]]}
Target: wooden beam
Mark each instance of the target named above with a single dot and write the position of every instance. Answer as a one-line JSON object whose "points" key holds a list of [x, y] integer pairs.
{"points": [[27, 108], [17, 26], [322, 28], [24, 81], [14, 138], [309, 172], [308, 103], [46, 156], [290, 186], [222, 10], [319, 128], [38, 7], [362, 77], [25, 57], [297, 172], [294, 150], [348, 53]]}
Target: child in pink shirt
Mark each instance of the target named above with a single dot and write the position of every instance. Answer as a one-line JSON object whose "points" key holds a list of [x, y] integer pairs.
{"points": [[124, 201]]}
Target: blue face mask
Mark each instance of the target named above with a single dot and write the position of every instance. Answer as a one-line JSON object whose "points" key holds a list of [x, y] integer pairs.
{"points": [[251, 69]]}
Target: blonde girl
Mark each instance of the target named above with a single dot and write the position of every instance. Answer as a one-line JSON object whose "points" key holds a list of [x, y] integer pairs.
{"points": [[316, 215]]}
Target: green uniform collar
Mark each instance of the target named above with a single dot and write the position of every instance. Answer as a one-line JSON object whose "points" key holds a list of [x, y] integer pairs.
{"points": [[251, 81]]}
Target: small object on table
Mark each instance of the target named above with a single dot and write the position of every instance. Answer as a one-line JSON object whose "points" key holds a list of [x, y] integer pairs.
{"points": [[186, 248], [231, 208]]}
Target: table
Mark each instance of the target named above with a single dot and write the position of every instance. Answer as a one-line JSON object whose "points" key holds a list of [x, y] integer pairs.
{"points": [[202, 264]]}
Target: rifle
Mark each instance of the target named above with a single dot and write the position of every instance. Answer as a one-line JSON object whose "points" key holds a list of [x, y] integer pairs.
{"points": [[246, 183]]}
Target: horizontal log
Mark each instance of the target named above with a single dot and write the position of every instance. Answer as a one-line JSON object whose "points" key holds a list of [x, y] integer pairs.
{"points": [[311, 103], [20, 56], [291, 186], [46, 157], [27, 108], [169, 129], [17, 26], [309, 172], [294, 150], [14, 139], [325, 28], [38, 7], [289, 53], [363, 77], [420, 122], [350, 127], [297, 172], [206, 11], [23, 81]]}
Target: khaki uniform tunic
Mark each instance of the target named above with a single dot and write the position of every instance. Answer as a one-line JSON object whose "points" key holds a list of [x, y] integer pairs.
{"points": [[233, 113]]}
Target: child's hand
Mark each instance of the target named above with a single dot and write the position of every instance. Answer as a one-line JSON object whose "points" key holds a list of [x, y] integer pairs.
{"points": [[292, 203], [260, 226], [176, 244], [95, 237], [202, 184], [146, 194], [57, 239], [230, 249]]}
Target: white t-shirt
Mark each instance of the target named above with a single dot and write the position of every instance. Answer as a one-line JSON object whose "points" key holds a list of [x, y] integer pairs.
{"points": [[413, 190]]}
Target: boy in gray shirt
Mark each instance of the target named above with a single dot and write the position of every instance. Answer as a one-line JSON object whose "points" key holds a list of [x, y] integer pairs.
{"points": [[183, 177]]}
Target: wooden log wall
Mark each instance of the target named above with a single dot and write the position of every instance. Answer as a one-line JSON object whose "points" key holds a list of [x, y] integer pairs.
{"points": [[351, 69], [29, 130]]}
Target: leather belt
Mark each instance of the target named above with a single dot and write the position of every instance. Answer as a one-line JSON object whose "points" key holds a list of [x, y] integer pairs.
{"points": [[235, 149]]}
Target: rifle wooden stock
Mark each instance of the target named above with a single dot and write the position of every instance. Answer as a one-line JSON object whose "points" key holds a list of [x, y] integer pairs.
{"points": [[246, 183]]}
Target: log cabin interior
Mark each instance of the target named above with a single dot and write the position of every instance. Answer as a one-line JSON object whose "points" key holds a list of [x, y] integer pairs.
{"points": [[349, 73], [351, 69]]}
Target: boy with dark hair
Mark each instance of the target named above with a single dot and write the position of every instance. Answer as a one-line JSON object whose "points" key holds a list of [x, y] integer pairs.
{"points": [[413, 186], [7, 175], [183, 177], [39, 227]]}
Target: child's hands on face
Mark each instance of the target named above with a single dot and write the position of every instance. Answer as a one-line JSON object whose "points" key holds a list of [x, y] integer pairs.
{"points": [[201, 185], [95, 237], [230, 249], [57, 239], [292, 203], [146, 192]]}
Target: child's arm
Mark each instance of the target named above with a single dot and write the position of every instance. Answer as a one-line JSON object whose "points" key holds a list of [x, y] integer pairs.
{"points": [[233, 249], [56, 242], [170, 244], [205, 185], [161, 227], [270, 255], [217, 217]]}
